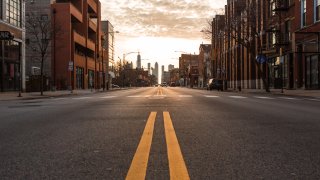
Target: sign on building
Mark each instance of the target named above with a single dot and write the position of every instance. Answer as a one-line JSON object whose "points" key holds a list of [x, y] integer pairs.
{"points": [[6, 35]]}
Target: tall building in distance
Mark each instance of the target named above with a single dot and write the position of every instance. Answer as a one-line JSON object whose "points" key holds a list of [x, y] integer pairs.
{"points": [[162, 74], [138, 61], [12, 51], [149, 68], [155, 71], [170, 67]]}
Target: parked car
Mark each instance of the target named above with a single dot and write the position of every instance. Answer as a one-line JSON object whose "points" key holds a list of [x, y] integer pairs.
{"points": [[173, 84], [164, 84], [215, 84], [115, 86]]}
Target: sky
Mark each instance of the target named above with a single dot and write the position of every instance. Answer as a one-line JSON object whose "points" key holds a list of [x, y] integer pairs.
{"points": [[161, 30]]}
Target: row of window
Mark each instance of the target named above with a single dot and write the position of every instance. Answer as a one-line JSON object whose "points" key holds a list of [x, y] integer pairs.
{"points": [[304, 12], [13, 12]]}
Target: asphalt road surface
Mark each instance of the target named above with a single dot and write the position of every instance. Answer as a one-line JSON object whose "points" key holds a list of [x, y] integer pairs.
{"points": [[161, 133]]}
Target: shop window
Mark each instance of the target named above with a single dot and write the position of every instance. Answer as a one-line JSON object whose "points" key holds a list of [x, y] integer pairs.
{"points": [[312, 72]]}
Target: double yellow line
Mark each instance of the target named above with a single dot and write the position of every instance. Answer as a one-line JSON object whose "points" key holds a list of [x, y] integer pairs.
{"points": [[177, 166], [159, 92]]}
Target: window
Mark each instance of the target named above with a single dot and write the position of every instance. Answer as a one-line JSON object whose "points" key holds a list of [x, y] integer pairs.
{"points": [[317, 10], [303, 13], [272, 8], [1, 10], [13, 12], [288, 31]]}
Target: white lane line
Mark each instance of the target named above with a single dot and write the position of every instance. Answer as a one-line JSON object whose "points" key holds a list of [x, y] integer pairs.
{"points": [[185, 96], [262, 97], [211, 96], [134, 96], [313, 99], [108, 97], [82, 98], [238, 97], [288, 98], [56, 99]]}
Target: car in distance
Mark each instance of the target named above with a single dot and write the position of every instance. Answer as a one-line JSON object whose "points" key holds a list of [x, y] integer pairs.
{"points": [[215, 84], [114, 86]]}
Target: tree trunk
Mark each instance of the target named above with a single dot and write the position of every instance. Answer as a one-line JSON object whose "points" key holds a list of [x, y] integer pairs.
{"points": [[261, 72], [41, 74]]}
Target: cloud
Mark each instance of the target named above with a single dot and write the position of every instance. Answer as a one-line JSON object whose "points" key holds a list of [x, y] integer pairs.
{"points": [[160, 18]]}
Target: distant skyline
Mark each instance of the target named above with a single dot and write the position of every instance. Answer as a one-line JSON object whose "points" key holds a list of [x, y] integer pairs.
{"points": [[159, 28]]}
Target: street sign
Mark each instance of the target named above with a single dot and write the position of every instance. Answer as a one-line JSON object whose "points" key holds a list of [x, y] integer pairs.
{"points": [[6, 35], [261, 59], [70, 66]]}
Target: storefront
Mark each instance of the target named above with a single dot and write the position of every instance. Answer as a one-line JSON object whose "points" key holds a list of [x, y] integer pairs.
{"points": [[312, 72], [10, 65], [80, 78]]}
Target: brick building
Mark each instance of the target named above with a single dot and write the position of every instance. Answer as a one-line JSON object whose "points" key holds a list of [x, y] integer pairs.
{"points": [[272, 43], [205, 64], [189, 69], [76, 61]]}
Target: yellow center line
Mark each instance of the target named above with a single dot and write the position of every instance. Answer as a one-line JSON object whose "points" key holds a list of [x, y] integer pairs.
{"points": [[139, 162], [177, 166]]}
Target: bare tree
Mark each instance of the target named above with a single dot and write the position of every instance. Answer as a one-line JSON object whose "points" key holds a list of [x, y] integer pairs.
{"points": [[247, 37], [207, 30], [39, 29]]}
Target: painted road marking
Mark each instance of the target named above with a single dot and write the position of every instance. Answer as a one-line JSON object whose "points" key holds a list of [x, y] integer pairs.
{"points": [[238, 97], [211, 96], [288, 98], [177, 166], [107, 97], [82, 98], [56, 99], [185, 96], [313, 99], [262, 97], [134, 96], [139, 163]]}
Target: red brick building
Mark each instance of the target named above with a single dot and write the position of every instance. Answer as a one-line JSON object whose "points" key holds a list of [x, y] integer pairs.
{"points": [[282, 34], [76, 61]]}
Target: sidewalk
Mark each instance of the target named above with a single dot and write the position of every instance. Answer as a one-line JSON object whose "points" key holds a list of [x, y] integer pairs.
{"points": [[6, 96], [299, 92]]}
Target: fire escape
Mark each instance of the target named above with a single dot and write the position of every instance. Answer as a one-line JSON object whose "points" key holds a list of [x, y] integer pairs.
{"points": [[279, 34]]}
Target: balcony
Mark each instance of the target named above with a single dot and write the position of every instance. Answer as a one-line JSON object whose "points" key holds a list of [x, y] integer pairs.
{"points": [[92, 25], [93, 7], [78, 38], [281, 5], [91, 45], [282, 39], [75, 13]]}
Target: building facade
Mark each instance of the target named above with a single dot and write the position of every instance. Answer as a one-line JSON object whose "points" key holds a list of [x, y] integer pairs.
{"points": [[38, 12], [77, 59], [107, 58], [267, 44], [12, 50]]}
